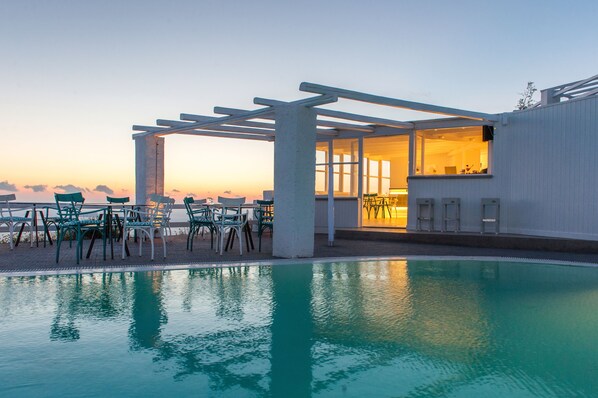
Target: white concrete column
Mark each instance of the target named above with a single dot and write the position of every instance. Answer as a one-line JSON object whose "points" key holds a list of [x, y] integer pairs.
{"points": [[294, 181], [149, 167]]}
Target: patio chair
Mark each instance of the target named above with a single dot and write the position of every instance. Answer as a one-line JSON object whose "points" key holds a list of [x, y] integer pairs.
{"points": [[370, 203], [119, 214], [264, 215], [72, 218], [229, 218], [156, 218], [200, 219], [11, 220]]}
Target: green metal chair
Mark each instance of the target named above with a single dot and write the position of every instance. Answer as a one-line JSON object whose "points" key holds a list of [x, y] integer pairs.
{"points": [[72, 218], [156, 218], [370, 203], [119, 214], [200, 219], [229, 218], [11, 220], [264, 215]]}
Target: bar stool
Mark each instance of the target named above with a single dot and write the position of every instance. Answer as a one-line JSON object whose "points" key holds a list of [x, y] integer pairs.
{"points": [[451, 213], [490, 214], [425, 213]]}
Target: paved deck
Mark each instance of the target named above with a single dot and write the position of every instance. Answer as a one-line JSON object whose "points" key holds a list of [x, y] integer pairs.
{"points": [[25, 258]]}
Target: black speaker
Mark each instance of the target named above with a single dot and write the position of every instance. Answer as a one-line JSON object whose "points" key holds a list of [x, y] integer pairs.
{"points": [[487, 133]]}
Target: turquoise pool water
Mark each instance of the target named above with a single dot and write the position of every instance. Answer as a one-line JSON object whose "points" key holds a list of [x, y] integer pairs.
{"points": [[345, 329]]}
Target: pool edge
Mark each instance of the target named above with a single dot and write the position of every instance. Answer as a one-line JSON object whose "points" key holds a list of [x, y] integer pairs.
{"points": [[276, 262]]}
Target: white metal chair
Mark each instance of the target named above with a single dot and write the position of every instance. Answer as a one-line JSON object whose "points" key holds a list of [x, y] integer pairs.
{"points": [[229, 217], [156, 218], [11, 220]]}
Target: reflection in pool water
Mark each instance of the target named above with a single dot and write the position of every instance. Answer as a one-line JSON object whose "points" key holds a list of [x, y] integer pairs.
{"points": [[379, 328]]}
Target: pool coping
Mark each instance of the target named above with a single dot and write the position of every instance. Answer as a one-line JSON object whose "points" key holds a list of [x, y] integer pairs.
{"points": [[278, 262]]}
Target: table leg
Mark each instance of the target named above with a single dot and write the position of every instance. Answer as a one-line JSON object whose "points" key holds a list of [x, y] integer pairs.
{"points": [[109, 226], [93, 239], [21, 230], [46, 229], [248, 237], [35, 226]]}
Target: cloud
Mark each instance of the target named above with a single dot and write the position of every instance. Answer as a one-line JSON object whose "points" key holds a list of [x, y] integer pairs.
{"points": [[6, 186], [104, 188], [191, 194], [228, 192], [69, 188], [176, 190], [36, 188]]}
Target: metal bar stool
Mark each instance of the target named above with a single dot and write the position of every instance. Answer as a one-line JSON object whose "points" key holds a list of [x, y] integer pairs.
{"points": [[425, 213], [490, 214], [451, 213]]}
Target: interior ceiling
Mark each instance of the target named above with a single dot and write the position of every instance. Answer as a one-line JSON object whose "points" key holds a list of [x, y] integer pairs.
{"points": [[437, 141]]}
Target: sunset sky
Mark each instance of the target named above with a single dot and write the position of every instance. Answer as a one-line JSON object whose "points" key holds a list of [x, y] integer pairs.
{"points": [[76, 75]]}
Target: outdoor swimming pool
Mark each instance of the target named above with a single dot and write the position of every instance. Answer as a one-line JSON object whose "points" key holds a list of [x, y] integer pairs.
{"points": [[371, 328]]}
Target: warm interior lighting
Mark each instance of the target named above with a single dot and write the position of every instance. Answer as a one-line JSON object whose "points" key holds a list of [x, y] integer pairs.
{"points": [[397, 191]]}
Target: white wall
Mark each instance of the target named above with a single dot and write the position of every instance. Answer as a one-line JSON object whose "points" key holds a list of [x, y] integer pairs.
{"points": [[545, 171], [346, 213]]}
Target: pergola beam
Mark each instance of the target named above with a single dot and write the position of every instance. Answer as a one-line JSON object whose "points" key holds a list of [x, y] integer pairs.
{"points": [[393, 102], [341, 115], [208, 133], [324, 123], [232, 129], [200, 118], [364, 119], [234, 111], [573, 86], [307, 102]]}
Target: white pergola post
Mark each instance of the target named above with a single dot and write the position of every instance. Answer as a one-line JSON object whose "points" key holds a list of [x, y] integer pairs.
{"points": [[149, 167], [294, 181], [330, 193]]}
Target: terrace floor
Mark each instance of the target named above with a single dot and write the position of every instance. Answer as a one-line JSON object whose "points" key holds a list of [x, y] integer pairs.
{"points": [[27, 259]]}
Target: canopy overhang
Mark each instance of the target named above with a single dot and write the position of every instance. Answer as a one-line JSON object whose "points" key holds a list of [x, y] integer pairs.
{"points": [[257, 124]]}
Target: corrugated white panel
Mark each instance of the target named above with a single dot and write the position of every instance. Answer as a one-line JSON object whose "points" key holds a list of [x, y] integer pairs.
{"points": [[345, 213], [469, 190], [551, 157], [545, 172]]}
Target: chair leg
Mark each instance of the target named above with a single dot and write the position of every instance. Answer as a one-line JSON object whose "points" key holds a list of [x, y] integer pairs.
{"points": [[124, 239], [163, 243], [11, 231], [140, 240], [104, 244], [58, 243], [259, 237], [151, 233], [221, 241], [79, 246]]}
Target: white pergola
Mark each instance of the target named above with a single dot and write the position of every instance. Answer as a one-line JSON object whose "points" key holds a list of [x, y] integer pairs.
{"points": [[294, 127]]}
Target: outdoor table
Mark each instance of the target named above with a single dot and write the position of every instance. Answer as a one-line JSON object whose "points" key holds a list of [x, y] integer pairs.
{"points": [[35, 225], [109, 215]]}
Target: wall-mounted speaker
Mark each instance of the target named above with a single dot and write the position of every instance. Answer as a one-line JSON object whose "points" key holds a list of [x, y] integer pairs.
{"points": [[487, 133]]}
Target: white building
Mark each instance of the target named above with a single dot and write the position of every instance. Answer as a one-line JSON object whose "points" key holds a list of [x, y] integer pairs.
{"points": [[540, 163]]}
